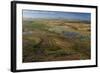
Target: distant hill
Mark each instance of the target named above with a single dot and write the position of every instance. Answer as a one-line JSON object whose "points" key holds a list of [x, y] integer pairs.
{"points": [[66, 20]]}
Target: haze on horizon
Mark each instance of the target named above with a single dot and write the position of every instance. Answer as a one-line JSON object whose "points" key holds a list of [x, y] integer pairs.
{"points": [[34, 14]]}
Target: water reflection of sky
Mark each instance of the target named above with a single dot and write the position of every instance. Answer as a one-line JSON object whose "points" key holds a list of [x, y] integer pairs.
{"points": [[76, 35], [56, 15]]}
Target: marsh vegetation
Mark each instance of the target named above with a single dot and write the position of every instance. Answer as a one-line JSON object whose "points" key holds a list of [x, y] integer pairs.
{"points": [[55, 40]]}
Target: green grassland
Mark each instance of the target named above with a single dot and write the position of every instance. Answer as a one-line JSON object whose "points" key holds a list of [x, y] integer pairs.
{"points": [[55, 40]]}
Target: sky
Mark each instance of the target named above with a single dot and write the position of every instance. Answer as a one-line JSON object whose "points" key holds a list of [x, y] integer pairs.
{"points": [[56, 15]]}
